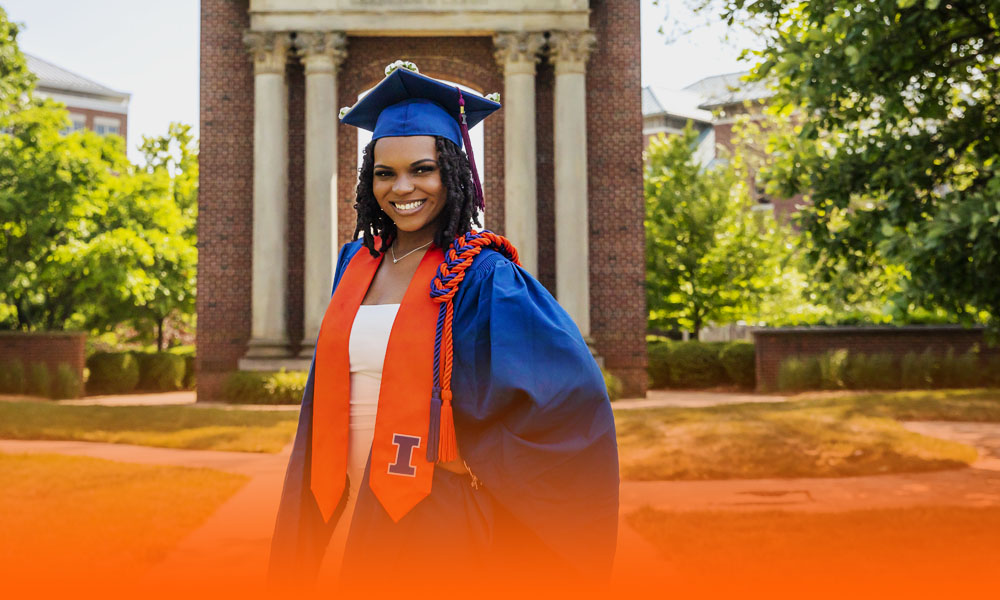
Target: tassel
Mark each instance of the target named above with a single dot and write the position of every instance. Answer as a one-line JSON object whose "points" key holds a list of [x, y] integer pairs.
{"points": [[480, 199], [434, 432], [447, 446]]}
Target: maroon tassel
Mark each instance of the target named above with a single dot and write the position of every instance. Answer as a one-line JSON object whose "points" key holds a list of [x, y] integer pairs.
{"points": [[480, 200]]}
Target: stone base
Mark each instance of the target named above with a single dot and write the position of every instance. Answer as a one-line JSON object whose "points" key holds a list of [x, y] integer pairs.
{"points": [[593, 351], [307, 350], [263, 348], [289, 363]]}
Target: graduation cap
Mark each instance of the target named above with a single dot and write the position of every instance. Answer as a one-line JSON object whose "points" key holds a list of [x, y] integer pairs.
{"points": [[407, 103]]}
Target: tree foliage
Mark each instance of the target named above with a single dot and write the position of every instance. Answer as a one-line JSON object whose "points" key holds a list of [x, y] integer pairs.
{"points": [[15, 78], [88, 240], [709, 257], [898, 155]]}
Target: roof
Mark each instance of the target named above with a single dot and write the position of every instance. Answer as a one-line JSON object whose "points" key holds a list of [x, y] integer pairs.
{"points": [[678, 103], [650, 106], [56, 78], [728, 88]]}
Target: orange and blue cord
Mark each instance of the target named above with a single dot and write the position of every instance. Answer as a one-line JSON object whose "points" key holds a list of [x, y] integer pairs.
{"points": [[441, 443]]}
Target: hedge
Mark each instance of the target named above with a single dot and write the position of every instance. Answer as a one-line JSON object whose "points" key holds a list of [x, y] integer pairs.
{"points": [[67, 384], [739, 360], [613, 384], [39, 380], [796, 374], [839, 369], [190, 377], [112, 373], [696, 364], [872, 372], [160, 371], [658, 353], [258, 387], [12, 377]]}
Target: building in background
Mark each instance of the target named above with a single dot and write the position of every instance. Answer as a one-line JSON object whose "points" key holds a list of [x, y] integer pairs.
{"points": [[91, 105], [711, 105], [562, 159]]}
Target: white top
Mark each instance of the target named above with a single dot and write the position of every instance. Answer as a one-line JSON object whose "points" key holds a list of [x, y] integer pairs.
{"points": [[368, 342]]}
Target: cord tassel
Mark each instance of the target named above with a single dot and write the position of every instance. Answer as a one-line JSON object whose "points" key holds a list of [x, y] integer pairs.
{"points": [[447, 449], [442, 445], [434, 431]]}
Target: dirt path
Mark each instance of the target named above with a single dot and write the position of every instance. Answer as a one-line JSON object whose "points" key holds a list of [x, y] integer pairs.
{"points": [[692, 399], [984, 437]]}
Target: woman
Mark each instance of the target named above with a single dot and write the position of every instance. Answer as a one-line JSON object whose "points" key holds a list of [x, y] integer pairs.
{"points": [[453, 413]]}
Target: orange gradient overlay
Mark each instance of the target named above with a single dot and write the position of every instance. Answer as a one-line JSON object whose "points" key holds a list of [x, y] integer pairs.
{"points": [[766, 548]]}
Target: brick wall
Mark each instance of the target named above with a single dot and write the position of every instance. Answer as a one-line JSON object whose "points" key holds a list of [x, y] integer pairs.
{"points": [[775, 345], [617, 239], [295, 297], [614, 131], [51, 348], [225, 195]]}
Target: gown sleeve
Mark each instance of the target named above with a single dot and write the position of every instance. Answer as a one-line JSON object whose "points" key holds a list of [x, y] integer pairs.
{"points": [[300, 534], [533, 419]]}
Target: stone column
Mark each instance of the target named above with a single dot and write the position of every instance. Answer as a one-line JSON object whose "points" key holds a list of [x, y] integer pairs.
{"points": [[269, 332], [517, 54], [321, 53], [569, 51]]}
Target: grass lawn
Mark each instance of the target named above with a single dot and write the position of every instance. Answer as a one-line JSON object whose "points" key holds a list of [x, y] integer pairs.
{"points": [[825, 436], [872, 545], [164, 426], [66, 512], [979, 405]]}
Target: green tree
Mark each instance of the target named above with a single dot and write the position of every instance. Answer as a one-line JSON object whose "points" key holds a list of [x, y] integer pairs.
{"points": [[709, 257], [88, 240], [899, 154], [53, 191], [821, 286], [172, 161], [16, 80]]}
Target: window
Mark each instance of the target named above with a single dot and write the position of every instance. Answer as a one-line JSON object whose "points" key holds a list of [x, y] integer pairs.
{"points": [[106, 126], [78, 122], [107, 129]]}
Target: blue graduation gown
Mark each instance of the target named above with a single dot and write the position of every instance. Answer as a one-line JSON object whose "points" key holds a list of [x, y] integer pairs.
{"points": [[534, 424]]}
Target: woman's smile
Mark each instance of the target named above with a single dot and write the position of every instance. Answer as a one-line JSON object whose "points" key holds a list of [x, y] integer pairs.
{"points": [[409, 207]]}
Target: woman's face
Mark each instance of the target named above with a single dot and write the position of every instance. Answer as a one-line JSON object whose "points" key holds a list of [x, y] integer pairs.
{"points": [[407, 183]]}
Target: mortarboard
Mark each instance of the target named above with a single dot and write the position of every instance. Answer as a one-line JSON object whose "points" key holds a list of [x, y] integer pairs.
{"points": [[407, 103]]}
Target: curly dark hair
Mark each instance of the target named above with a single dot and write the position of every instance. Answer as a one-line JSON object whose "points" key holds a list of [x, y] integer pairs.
{"points": [[455, 219]]}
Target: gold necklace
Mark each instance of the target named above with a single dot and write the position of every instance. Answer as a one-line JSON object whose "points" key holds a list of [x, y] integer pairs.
{"points": [[395, 260]]}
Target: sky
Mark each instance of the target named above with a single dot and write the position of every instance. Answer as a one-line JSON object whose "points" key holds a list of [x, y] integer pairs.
{"points": [[149, 48]]}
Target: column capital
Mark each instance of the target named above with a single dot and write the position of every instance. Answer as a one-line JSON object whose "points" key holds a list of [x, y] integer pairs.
{"points": [[569, 50], [269, 50], [518, 52], [321, 51]]}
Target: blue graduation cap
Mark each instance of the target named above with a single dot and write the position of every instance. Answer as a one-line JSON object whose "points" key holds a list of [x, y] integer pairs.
{"points": [[407, 103]]}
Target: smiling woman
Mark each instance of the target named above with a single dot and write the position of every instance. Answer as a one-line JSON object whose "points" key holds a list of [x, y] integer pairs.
{"points": [[411, 191], [515, 468]]}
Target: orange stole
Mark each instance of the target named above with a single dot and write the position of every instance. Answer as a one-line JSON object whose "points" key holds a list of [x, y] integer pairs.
{"points": [[404, 397]]}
